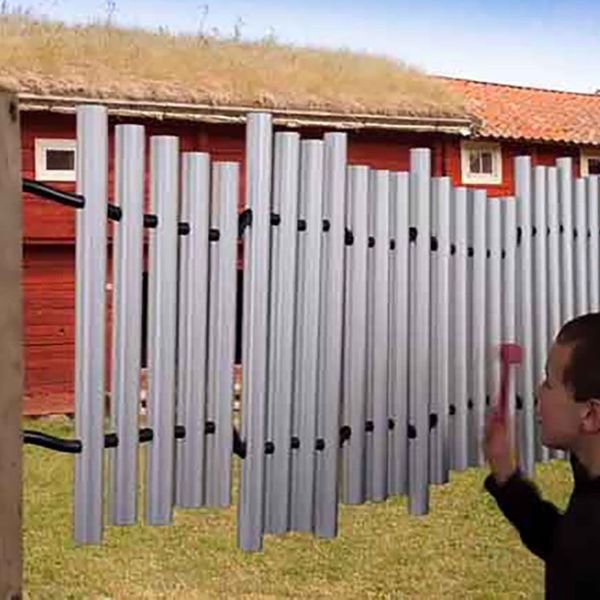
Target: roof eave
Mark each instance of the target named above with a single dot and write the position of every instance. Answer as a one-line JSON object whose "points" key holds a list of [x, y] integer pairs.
{"points": [[534, 140], [237, 114]]}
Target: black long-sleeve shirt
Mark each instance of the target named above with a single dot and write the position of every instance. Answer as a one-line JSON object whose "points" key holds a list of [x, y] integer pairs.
{"points": [[569, 542]]}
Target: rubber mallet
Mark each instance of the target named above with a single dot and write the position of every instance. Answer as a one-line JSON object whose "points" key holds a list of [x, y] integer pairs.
{"points": [[510, 354]]}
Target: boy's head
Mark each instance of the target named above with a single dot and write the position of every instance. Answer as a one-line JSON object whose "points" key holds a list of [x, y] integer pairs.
{"points": [[568, 399]]}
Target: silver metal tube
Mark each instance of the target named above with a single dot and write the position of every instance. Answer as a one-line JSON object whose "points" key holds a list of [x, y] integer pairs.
{"points": [[193, 323], [540, 287], [90, 305], [281, 349], [420, 188], [370, 308], [565, 197], [221, 355], [554, 267], [593, 201], [459, 420], [524, 306], [307, 336], [399, 334], [494, 296], [355, 332], [255, 329], [478, 323], [330, 361], [440, 338], [164, 200], [509, 298], [554, 260], [581, 242], [378, 333], [127, 322]]}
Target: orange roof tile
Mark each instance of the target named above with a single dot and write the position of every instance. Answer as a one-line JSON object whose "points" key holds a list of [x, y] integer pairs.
{"points": [[508, 111]]}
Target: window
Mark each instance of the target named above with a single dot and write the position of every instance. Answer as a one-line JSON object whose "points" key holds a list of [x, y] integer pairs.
{"points": [[55, 160], [590, 162], [481, 162]]}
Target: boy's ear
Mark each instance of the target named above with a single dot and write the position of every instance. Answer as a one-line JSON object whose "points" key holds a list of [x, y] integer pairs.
{"points": [[591, 419]]}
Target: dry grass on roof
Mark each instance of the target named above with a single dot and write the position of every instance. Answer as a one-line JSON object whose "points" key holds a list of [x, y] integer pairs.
{"points": [[104, 61]]}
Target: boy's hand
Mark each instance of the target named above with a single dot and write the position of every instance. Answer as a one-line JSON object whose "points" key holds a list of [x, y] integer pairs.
{"points": [[496, 448]]}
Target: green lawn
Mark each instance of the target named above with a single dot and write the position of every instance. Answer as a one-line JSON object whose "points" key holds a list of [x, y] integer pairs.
{"points": [[462, 549]]}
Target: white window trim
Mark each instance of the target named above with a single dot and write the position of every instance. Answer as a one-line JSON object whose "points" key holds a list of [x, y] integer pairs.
{"points": [[42, 145], [481, 178], [584, 157]]}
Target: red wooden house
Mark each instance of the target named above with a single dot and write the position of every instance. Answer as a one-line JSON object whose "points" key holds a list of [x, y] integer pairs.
{"points": [[475, 145]]}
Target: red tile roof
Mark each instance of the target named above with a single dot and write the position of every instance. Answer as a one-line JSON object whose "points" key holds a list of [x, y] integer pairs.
{"points": [[508, 111]]}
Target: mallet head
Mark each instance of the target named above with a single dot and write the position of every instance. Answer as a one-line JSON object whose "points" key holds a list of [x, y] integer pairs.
{"points": [[511, 354]]}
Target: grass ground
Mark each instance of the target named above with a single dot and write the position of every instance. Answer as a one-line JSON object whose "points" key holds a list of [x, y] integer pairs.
{"points": [[462, 549]]}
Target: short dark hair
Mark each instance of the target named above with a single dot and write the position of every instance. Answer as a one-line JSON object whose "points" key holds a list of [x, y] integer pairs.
{"points": [[582, 374]]}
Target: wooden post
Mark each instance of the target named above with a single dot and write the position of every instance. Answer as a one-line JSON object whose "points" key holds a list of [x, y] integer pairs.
{"points": [[11, 545]]}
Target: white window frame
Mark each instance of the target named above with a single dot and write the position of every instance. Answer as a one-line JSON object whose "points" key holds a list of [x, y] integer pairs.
{"points": [[495, 178], [42, 145], [584, 158]]}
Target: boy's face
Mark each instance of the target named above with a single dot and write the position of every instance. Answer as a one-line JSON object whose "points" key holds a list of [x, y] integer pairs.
{"points": [[563, 421]]}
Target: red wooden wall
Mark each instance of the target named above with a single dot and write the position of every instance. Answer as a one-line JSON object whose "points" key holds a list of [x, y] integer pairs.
{"points": [[541, 154], [48, 312], [49, 256], [49, 229]]}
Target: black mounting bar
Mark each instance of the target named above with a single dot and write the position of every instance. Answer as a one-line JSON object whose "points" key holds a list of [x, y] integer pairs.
{"points": [[240, 448], [51, 442], [114, 212], [151, 221], [111, 440], [244, 220], [49, 193]]}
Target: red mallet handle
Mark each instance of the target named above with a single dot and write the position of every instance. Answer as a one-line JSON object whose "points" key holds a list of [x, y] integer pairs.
{"points": [[510, 354]]}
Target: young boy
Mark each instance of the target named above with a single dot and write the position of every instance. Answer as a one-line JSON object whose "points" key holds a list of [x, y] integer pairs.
{"points": [[568, 410]]}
